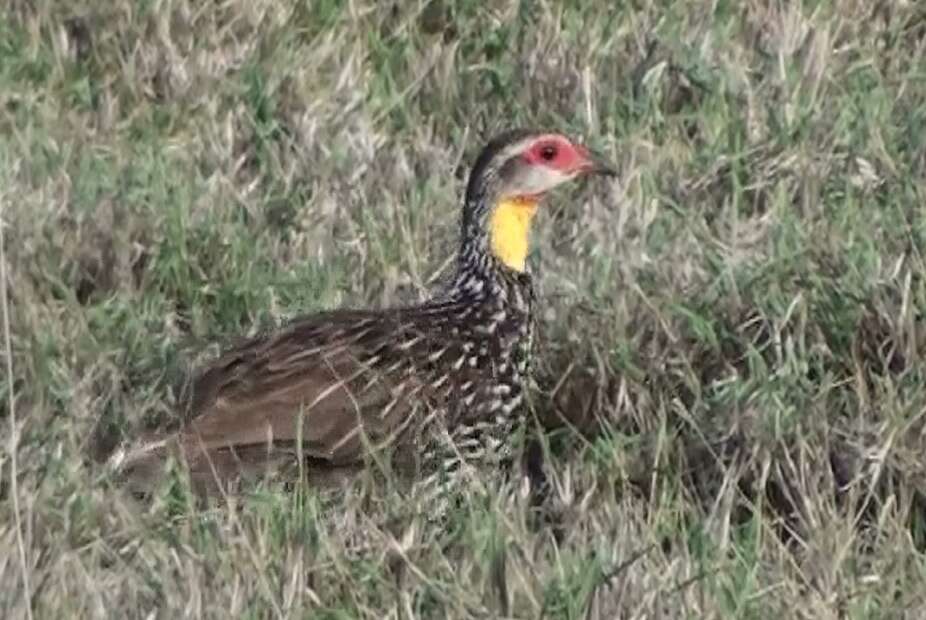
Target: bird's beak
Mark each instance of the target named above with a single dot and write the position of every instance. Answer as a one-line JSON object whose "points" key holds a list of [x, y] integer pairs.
{"points": [[595, 163]]}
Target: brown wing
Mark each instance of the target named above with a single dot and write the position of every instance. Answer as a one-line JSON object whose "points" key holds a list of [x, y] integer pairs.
{"points": [[332, 383]]}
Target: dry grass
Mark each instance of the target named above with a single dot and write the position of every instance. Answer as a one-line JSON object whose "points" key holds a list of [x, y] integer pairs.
{"points": [[733, 333]]}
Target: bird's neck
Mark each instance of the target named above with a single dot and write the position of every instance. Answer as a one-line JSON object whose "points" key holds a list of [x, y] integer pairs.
{"points": [[492, 262], [496, 236], [509, 228]]}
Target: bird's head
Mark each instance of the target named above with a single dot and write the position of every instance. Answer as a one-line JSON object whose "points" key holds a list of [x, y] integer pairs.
{"points": [[510, 177]]}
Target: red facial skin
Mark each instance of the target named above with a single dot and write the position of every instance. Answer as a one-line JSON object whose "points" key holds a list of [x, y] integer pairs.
{"points": [[558, 153]]}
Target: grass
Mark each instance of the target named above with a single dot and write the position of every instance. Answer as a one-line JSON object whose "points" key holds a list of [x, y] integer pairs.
{"points": [[731, 389]]}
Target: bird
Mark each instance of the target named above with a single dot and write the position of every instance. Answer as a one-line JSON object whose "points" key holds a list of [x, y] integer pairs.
{"points": [[441, 382]]}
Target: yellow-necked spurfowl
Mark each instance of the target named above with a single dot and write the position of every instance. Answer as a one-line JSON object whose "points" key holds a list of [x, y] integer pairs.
{"points": [[443, 380]]}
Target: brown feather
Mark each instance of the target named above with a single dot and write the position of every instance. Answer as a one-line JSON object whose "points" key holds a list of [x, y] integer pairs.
{"points": [[357, 378]]}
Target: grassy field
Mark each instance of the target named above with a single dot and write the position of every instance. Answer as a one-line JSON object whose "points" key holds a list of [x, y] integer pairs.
{"points": [[731, 394]]}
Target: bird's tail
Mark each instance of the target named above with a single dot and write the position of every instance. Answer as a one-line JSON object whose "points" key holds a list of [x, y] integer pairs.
{"points": [[211, 470], [140, 465]]}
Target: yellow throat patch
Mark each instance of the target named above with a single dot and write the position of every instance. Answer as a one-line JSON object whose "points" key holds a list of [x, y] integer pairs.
{"points": [[509, 231]]}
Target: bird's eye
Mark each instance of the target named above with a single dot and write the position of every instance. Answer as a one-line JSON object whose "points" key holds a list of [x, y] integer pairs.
{"points": [[548, 152]]}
